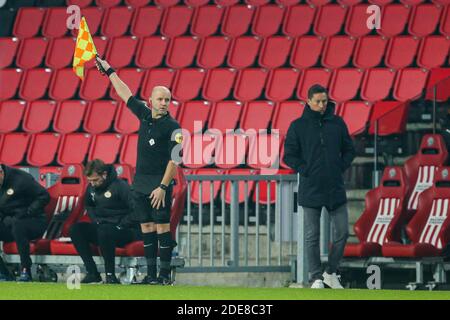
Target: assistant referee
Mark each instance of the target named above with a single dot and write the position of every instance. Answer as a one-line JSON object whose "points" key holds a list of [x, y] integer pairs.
{"points": [[159, 133]]}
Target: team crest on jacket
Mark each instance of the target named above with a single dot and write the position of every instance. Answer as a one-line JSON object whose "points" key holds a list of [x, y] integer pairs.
{"points": [[445, 173], [108, 194], [10, 192], [179, 138], [151, 141]]}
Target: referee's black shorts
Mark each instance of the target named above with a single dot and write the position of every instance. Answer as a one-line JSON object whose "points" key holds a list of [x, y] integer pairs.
{"points": [[143, 210]]}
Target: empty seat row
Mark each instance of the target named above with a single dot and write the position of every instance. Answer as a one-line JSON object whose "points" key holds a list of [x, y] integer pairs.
{"points": [[244, 85], [242, 52], [236, 20]]}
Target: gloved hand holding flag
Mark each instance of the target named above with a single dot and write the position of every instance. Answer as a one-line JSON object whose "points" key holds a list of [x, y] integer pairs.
{"points": [[84, 50]]}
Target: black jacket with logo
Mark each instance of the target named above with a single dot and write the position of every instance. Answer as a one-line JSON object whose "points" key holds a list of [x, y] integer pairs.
{"points": [[111, 202], [319, 147], [21, 196]]}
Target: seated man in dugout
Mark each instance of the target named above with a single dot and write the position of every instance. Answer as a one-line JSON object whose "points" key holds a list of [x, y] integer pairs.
{"points": [[108, 205]]}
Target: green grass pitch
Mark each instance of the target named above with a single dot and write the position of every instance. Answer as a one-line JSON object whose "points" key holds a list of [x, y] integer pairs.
{"points": [[44, 291]]}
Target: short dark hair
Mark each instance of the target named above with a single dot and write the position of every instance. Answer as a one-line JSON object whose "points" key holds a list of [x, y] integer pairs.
{"points": [[316, 88], [94, 166]]}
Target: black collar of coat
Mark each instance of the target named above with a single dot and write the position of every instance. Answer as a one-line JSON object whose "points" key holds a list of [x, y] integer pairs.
{"points": [[308, 113]]}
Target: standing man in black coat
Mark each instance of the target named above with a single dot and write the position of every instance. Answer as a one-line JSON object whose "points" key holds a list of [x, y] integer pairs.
{"points": [[108, 205], [319, 147], [22, 203]]}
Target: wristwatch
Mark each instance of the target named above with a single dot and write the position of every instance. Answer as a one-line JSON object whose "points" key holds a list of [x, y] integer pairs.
{"points": [[163, 186]]}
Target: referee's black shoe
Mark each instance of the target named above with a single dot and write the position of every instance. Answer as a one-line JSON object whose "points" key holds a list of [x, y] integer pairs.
{"points": [[111, 279], [92, 278], [149, 280], [164, 281]]}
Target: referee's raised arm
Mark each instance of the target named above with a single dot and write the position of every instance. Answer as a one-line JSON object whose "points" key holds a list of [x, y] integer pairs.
{"points": [[121, 88]]}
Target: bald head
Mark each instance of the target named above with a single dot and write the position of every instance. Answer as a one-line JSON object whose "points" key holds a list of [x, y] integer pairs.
{"points": [[160, 100]]}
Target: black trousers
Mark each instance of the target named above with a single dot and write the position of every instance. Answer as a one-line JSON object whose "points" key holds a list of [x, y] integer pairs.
{"points": [[22, 231], [106, 236]]}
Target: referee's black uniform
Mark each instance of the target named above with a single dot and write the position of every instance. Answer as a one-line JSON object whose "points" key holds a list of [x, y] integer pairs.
{"points": [[156, 140]]}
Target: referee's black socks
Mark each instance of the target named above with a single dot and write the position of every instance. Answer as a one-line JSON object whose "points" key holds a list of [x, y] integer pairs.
{"points": [[150, 251], [165, 253]]}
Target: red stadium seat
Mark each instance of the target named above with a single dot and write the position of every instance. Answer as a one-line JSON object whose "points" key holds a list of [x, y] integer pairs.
{"points": [[287, 3], [124, 172], [94, 86], [194, 111], [377, 83], [151, 51], [99, 116], [146, 21], [286, 112], [237, 20], [156, 77], [55, 23], [213, 51], [424, 19], [42, 149], [267, 20], [116, 21], [412, 2], [444, 26], [298, 20], [196, 3], [132, 77], [306, 51], [121, 51], [256, 115], [257, 3], [369, 51], [8, 48], [380, 2], [401, 51], [10, 80], [230, 151], [310, 77], [264, 152], [107, 3], [137, 3], [433, 51], [337, 51], [391, 115], [243, 51], [429, 228], [105, 146], [73, 148], [394, 18], [198, 150], [80, 3], [345, 83], [226, 3], [420, 168], [187, 84], [225, 115], [128, 153], [382, 217], [356, 23], [64, 84], [356, 115], [281, 84], [13, 147], [68, 115], [436, 82], [125, 122], [242, 196], [28, 22], [206, 187], [34, 84], [174, 109], [31, 52], [60, 52], [214, 92], [330, 20], [182, 51], [206, 20], [11, 113], [176, 20], [275, 51], [94, 16], [38, 115], [410, 83], [250, 84]]}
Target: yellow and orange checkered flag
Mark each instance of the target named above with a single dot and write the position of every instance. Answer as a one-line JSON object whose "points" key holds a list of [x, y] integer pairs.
{"points": [[84, 50]]}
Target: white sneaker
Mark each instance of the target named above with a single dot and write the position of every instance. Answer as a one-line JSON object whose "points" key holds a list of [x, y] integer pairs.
{"points": [[318, 284], [332, 280]]}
